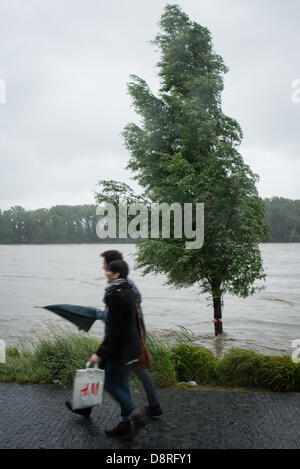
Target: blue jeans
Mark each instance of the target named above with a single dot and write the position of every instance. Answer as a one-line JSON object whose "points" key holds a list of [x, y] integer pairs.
{"points": [[116, 383]]}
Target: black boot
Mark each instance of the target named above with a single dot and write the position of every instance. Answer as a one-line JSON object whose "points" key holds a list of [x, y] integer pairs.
{"points": [[138, 421], [154, 410], [122, 429], [84, 412]]}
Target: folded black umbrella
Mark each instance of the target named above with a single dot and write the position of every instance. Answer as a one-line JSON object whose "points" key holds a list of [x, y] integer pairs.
{"points": [[82, 316]]}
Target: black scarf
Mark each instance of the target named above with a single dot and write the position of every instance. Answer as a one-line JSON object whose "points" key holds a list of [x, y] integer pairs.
{"points": [[112, 287]]}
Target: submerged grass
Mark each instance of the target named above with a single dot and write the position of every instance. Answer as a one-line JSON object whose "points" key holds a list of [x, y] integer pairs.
{"points": [[56, 354]]}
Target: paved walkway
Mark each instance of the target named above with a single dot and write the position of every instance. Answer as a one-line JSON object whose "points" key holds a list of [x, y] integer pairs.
{"points": [[35, 416]]}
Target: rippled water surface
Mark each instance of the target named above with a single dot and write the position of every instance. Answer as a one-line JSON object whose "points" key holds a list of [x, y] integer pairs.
{"points": [[48, 274]]}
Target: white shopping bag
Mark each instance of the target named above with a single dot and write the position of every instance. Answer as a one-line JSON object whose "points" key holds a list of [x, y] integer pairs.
{"points": [[88, 387]]}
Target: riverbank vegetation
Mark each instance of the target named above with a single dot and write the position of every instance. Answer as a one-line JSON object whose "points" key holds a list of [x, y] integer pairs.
{"points": [[77, 224], [55, 357]]}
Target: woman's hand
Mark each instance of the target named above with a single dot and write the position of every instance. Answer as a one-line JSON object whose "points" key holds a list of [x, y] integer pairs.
{"points": [[94, 359]]}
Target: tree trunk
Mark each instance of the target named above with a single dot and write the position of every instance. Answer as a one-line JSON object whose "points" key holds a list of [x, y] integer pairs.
{"points": [[218, 315]]}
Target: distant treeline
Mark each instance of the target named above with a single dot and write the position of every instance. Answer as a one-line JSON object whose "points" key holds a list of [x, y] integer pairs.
{"points": [[59, 224], [283, 216], [77, 224]]}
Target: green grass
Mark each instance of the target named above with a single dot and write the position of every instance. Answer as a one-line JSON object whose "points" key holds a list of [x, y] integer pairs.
{"points": [[163, 371], [54, 355], [57, 354]]}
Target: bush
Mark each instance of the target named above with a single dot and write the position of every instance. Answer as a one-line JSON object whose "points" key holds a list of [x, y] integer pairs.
{"points": [[297, 377], [240, 367], [279, 374], [194, 363]]}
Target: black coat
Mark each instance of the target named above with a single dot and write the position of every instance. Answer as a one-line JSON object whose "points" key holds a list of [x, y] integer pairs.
{"points": [[122, 342]]}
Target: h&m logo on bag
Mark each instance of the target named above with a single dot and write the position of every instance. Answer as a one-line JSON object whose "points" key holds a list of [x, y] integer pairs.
{"points": [[90, 389]]}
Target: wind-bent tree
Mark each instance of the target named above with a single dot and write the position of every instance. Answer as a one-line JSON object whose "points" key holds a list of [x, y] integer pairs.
{"points": [[185, 150]]}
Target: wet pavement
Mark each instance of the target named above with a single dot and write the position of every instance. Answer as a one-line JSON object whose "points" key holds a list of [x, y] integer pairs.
{"points": [[34, 416]]}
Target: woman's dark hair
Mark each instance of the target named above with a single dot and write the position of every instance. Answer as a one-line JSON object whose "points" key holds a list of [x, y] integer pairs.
{"points": [[111, 255], [120, 267]]}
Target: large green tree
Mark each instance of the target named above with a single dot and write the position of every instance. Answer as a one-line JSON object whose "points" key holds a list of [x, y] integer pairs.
{"points": [[185, 150]]}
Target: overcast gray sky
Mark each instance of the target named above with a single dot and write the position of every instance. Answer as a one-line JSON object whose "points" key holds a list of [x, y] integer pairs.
{"points": [[66, 65]]}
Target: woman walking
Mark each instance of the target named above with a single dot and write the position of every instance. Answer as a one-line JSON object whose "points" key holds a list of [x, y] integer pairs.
{"points": [[153, 409], [120, 348]]}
